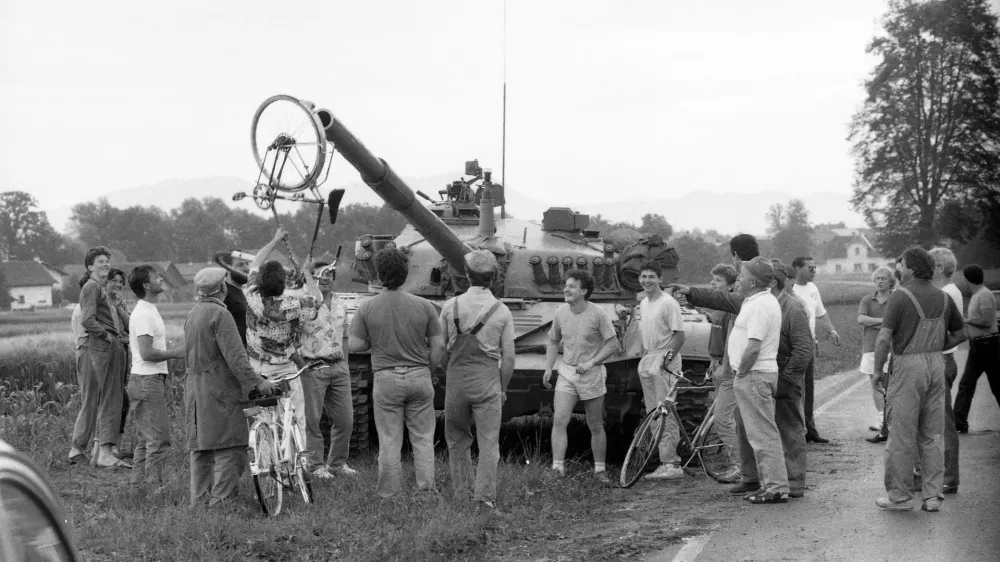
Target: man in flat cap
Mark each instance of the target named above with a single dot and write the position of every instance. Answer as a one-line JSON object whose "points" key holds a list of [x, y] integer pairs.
{"points": [[219, 378], [479, 333], [752, 350]]}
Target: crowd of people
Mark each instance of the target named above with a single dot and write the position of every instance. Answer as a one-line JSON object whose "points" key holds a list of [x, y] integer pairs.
{"points": [[249, 325]]}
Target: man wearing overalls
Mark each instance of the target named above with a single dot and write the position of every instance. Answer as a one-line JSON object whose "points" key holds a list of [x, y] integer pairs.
{"points": [[920, 322], [479, 331]]}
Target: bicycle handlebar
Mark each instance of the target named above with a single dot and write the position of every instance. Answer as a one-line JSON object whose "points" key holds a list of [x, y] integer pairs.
{"points": [[680, 376]]}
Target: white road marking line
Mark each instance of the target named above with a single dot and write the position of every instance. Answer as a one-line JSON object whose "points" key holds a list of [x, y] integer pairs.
{"points": [[692, 548], [829, 404]]}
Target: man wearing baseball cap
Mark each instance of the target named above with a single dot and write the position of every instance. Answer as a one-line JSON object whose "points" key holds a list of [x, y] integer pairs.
{"points": [[479, 333], [219, 378]]}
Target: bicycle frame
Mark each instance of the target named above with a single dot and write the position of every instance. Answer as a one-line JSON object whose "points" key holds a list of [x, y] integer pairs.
{"points": [[694, 442], [282, 420]]}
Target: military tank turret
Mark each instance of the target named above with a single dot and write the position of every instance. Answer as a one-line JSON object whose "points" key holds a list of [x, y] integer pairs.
{"points": [[533, 257]]}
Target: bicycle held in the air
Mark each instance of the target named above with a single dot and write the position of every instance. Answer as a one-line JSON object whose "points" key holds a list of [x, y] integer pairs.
{"points": [[278, 455], [705, 445]]}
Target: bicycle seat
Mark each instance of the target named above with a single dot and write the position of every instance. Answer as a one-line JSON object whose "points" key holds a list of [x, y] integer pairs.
{"points": [[266, 402]]}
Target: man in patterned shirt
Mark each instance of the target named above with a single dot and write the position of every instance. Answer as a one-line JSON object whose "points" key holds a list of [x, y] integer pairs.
{"points": [[274, 321], [328, 386]]}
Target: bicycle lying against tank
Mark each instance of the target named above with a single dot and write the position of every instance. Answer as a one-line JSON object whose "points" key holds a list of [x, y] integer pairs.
{"points": [[705, 445]]}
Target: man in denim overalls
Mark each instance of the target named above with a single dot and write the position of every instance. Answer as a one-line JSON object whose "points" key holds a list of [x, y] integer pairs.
{"points": [[479, 331], [920, 322]]}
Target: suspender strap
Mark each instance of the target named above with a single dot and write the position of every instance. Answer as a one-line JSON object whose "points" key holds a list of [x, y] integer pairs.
{"points": [[913, 299], [485, 317]]}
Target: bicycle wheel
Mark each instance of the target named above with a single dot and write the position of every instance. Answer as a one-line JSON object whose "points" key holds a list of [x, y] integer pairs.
{"points": [[288, 143], [301, 476], [644, 445], [265, 483], [713, 454]]}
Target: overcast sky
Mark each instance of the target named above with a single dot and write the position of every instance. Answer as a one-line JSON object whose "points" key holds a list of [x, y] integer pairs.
{"points": [[606, 100]]}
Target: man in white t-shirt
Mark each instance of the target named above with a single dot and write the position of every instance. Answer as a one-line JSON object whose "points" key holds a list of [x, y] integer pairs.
{"points": [[753, 351], [945, 265], [148, 389], [661, 327], [805, 289]]}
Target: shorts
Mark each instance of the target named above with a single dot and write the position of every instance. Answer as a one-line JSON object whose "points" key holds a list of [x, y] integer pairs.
{"points": [[588, 386], [868, 364]]}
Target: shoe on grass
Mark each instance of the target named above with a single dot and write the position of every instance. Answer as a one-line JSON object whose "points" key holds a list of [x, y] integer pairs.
{"points": [[344, 470], [744, 487], [666, 472], [889, 505], [932, 505], [323, 473], [602, 477]]}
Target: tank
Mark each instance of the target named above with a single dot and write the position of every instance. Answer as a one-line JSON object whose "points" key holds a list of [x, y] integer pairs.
{"points": [[533, 256]]}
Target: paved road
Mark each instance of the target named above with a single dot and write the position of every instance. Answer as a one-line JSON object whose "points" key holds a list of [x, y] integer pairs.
{"points": [[838, 519]]}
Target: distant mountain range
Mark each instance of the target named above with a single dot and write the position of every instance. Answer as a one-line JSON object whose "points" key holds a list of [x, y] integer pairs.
{"points": [[725, 212]]}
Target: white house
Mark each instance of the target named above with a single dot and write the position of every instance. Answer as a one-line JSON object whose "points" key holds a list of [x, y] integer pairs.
{"points": [[859, 256], [29, 284]]}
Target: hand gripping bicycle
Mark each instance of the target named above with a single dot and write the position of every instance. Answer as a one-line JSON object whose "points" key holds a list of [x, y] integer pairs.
{"points": [[278, 455], [705, 445]]}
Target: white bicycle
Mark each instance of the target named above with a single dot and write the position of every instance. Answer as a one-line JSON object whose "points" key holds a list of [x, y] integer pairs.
{"points": [[278, 455]]}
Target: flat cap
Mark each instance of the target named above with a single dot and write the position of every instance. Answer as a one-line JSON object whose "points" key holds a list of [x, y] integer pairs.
{"points": [[209, 280], [481, 261], [761, 269], [780, 270]]}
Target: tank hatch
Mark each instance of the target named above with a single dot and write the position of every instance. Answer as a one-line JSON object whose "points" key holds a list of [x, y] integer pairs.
{"points": [[565, 219]]}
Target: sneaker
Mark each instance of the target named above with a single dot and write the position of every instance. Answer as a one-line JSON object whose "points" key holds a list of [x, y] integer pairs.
{"points": [[602, 477], [323, 473], [932, 505], [877, 424], [344, 470], [731, 476], [744, 487], [767, 497], [666, 472], [889, 505], [555, 473], [950, 488]]}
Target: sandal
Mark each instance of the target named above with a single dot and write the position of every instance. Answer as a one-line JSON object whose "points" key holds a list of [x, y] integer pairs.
{"points": [[117, 464], [767, 497]]}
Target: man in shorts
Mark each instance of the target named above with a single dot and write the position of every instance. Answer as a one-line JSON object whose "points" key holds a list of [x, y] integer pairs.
{"points": [[588, 338]]}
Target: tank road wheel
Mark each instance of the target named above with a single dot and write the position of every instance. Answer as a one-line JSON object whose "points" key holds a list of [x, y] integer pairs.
{"points": [[643, 447], [361, 436], [288, 143]]}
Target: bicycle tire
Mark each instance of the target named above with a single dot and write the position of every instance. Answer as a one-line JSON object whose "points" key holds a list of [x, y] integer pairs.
{"points": [[300, 473], [266, 484], [310, 120], [643, 447], [713, 454]]}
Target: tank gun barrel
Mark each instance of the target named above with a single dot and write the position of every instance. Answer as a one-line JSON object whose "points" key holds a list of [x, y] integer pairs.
{"points": [[377, 174]]}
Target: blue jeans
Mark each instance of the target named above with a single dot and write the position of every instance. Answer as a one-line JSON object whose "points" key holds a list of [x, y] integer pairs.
{"points": [[148, 395], [404, 395]]}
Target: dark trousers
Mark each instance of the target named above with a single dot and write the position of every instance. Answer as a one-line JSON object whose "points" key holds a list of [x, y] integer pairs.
{"points": [[809, 391], [984, 357], [950, 431]]}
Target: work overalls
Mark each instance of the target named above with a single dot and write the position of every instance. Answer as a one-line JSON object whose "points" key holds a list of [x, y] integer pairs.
{"points": [[915, 410], [473, 393]]}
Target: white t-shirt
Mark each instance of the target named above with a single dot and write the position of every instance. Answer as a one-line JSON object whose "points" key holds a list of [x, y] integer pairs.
{"points": [[146, 321], [809, 294], [956, 295], [759, 319], [658, 320]]}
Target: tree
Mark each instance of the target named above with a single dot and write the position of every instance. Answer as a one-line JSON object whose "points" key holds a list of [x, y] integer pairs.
{"points": [[655, 223], [25, 232], [697, 258], [790, 231], [929, 130], [5, 298]]}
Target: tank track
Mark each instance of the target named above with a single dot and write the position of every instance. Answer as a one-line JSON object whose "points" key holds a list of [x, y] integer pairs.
{"points": [[361, 436]]}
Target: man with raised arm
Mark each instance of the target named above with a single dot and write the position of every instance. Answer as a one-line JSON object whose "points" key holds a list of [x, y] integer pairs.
{"points": [[588, 338]]}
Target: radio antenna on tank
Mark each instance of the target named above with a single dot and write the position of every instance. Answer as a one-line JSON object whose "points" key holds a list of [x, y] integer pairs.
{"points": [[503, 142]]}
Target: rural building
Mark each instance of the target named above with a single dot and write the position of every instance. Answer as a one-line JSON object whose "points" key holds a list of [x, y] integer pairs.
{"points": [[850, 252], [29, 284]]}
